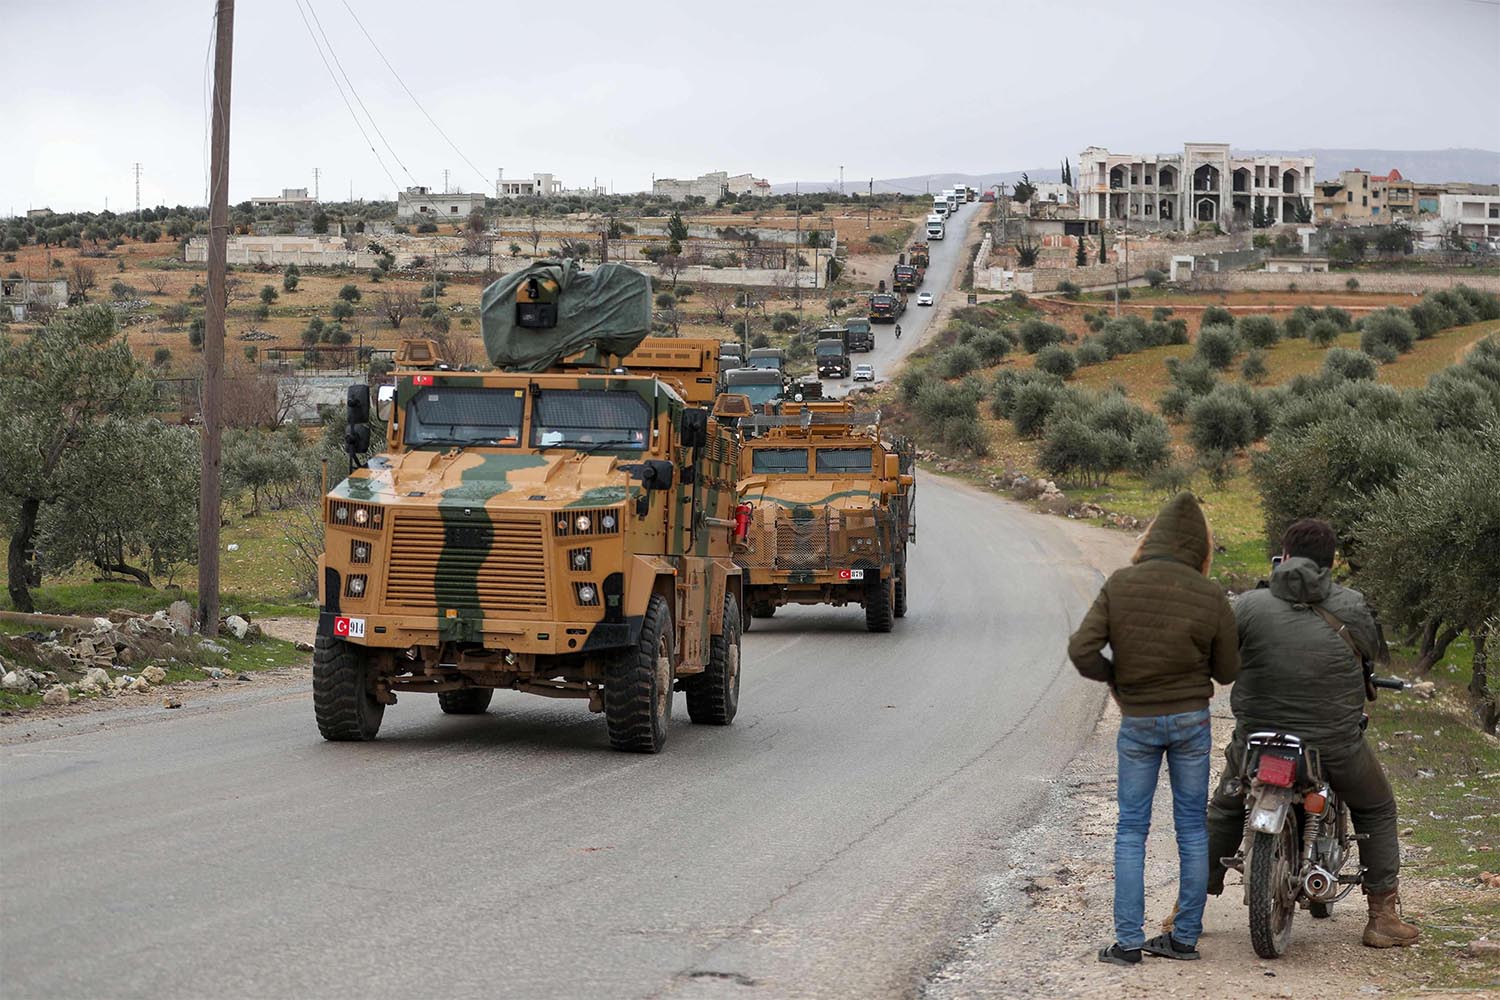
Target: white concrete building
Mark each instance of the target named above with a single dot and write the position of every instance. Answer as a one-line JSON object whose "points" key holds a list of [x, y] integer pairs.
{"points": [[289, 196], [539, 185], [424, 203], [18, 296], [711, 186], [1205, 183], [1475, 216]]}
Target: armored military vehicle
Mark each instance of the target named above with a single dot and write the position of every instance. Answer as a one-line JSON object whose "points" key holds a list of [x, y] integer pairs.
{"points": [[832, 509], [561, 525]]}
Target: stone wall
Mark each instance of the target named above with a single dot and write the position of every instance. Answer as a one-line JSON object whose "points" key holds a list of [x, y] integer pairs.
{"points": [[1389, 281]]}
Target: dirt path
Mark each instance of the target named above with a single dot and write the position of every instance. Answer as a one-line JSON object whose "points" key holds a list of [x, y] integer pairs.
{"points": [[1049, 911]]}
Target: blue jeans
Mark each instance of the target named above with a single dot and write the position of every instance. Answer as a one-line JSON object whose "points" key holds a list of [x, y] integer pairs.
{"points": [[1185, 739]]}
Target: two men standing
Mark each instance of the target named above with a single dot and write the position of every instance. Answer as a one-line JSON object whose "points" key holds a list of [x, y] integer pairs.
{"points": [[1171, 634]]}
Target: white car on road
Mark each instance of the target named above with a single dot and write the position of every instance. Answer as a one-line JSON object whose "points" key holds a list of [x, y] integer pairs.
{"points": [[864, 373], [924, 298]]}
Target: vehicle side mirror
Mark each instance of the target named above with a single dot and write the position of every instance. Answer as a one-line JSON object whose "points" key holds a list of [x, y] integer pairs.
{"points": [[892, 466], [385, 402], [656, 474], [357, 424], [694, 432]]}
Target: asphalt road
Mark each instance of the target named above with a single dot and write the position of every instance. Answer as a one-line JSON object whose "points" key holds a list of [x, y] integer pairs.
{"points": [[829, 843], [947, 258]]}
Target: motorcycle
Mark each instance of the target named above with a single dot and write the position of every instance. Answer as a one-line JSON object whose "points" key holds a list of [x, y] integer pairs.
{"points": [[1298, 837]]}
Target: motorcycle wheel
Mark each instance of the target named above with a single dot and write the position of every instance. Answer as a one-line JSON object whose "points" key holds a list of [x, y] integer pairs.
{"points": [[1273, 890]]}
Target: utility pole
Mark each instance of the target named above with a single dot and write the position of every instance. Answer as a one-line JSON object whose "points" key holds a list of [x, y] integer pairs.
{"points": [[213, 332], [841, 180], [137, 192], [868, 202], [445, 182], [796, 255], [316, 191]]}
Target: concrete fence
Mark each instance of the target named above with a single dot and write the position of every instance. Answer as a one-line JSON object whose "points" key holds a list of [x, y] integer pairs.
{"points": [[1337, 281]]}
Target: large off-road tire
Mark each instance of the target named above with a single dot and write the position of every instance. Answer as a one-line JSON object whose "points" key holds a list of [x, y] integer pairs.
{"points": [[714, 695], [638, 686], [1273, 897], [465, 701], [343, 698], [878, 607], [898, 606]]}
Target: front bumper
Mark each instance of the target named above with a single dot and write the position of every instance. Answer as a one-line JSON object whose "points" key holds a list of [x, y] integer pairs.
{"points": [[542, 638]]}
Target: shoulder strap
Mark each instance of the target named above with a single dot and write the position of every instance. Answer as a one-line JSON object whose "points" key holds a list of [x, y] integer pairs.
{"points": [[1333, 622]]}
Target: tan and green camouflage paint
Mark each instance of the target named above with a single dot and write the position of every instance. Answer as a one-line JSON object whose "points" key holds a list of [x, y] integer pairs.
{"points": [[470, 488]]}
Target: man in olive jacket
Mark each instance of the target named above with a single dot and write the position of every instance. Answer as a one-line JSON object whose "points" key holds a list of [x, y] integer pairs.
{"points": [[1171, 635], [1299, 676]]}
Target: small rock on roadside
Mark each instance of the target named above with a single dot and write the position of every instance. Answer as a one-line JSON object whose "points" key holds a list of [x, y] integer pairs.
{"points": [[304, 647], [97, 676], [237, 626], [171, 701], [56, 695], [153, 675], [213, 647], [17, 682], [1484, 948]]}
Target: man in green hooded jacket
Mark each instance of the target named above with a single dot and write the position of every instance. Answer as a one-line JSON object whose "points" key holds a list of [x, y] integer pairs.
{"points": [[1170, 635], [1299, 676]]}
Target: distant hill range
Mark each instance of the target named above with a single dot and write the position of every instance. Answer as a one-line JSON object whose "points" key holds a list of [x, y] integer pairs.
{"points": [[1481, 166]]}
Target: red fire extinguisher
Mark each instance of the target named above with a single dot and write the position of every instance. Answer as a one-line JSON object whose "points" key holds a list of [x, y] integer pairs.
{"points": [[742, 521]]}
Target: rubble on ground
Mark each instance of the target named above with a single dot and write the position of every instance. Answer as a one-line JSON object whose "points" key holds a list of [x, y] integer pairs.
{"points": [[119, 653]]}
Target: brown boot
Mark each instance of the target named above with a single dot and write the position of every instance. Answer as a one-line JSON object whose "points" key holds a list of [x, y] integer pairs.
{"points": [[1386, 929]]}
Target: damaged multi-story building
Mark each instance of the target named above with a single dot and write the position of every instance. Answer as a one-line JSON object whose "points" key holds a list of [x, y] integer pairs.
{"points": [[1204, 184]]}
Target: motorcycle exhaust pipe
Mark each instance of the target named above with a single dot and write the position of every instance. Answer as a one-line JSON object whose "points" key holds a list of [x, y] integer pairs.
{"points": [[1318, 883]]}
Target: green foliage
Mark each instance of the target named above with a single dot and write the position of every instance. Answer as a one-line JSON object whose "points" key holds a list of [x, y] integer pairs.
{"points": [[290, 278], [1155, 278], [350, 293], [1036, 334], [1089, 435], [958, 361], [342, 310], [62, 390], [1222, 421], [1091, 352], [1217, 316], [1322, 333], [676, 228], [1253, 368], [1056, 360], [1258, 331], [268, 294], [1387, 333], [1068, 289], [1349, 364], [1217, 346], [1032, 403]]}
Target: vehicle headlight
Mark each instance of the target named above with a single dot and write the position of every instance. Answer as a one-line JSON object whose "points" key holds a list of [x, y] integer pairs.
{"points": [[586, 593], [356, 586], [581, 559], [340, 513], [361, 516], [608, 522], [583, 523], [361, 552]]}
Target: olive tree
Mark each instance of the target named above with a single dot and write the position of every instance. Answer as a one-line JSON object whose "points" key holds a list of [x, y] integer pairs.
{"points": [[58, 388]]}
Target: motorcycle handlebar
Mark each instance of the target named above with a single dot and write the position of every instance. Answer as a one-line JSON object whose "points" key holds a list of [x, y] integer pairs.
{"points": [[1389, 683]]}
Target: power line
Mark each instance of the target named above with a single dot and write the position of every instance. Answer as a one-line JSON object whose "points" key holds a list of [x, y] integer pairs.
{"points": [[433, 121], [360, 101], [396, 185]]}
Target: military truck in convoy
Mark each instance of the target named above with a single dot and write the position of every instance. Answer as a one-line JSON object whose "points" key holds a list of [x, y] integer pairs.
{"points": [[832, 509], [831, 350], [886, 307], [767, 357], [562, 525], [919, 255], [859, 334], [762, 386], [731, 355], [905, 277]]}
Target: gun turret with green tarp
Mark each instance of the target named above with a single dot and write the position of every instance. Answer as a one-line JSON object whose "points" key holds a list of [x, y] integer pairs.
{"points": [[551, 310]]}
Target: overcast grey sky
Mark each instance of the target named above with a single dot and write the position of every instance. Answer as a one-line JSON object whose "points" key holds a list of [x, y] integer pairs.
{"points": [[787, 90]]}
